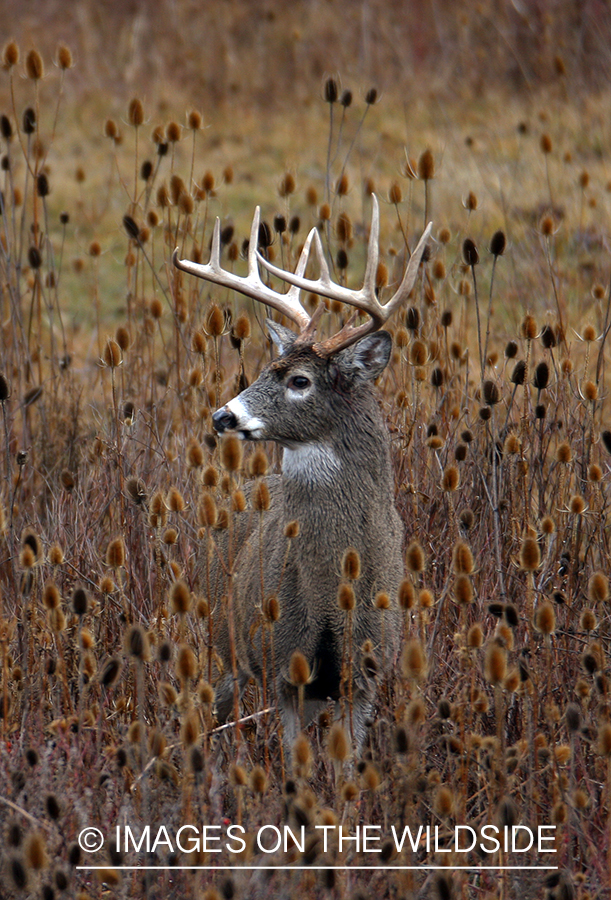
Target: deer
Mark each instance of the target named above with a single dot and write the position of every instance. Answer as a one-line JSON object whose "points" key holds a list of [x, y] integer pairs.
{"points": [[317, 400]]}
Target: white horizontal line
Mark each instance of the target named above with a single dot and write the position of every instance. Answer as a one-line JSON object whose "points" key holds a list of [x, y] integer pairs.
{"points": [[321, 868]]}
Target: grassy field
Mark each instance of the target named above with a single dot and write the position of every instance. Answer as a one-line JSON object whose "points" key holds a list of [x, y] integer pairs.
{"points": [[112, 362]]}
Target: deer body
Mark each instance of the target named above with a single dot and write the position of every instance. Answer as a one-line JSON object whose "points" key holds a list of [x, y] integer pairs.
{"points": [[337, 483], [316, 400]]}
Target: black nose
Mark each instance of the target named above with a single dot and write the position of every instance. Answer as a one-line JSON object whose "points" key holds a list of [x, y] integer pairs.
{"points": [[224, 420]]}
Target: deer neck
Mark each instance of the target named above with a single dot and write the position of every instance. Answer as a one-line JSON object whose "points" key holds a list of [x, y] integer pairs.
{"points": [[341, 487]]}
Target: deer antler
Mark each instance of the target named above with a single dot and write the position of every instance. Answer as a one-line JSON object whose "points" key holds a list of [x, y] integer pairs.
{"points": [[289, 305], [365, 299]]}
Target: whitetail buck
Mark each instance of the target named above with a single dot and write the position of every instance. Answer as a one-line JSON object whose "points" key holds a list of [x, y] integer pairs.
{"points": [[316, 400]]}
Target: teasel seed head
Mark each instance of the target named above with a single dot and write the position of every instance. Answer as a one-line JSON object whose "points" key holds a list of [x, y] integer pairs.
{"points": [[351, 564], [181, 598], [63, 57], [299, 669], [156, 308], [189, 732], [545, 618], [195, 454], [302, 753], [407, 594], [287, 185], [175, 501], [470, 253], [115, 554], [451, 479], [237, 776], [10, 55], [564, 454], [426, 165], [382, 601], [330, 91], [57, 620], [595, 473], [589, 391], [27, 559], [259, 463], [413, 661], [173, 133], [80, 601], [495, 666], [418, 353], [395, 194], [548, 338], [444, 802], [414, 558], [238, 501], [498, 243], [577, 505], [18, 872], [491, 393], [186, 664], [137, 643], [50, 595], [135, 112], [258, 780], [443, 886], [35, 851], [572, 715], [439, 273], [463, 590], [111, 355], [110, 673], [547, 525], [346, 599], [530, 555], [338, 744], [412, 323], [231, 453], [604, 740], [587, 620], [260, 497], [528, 328], [546, 143], [5, 390], [341, 186], [475, 637], [343, 228], [598, 588], [401, 740], [167, 693], [271, 609], [416, 712], [34, 65]]}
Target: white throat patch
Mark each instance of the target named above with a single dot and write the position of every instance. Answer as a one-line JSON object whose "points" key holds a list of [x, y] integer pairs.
{"points": [[312, 463]]}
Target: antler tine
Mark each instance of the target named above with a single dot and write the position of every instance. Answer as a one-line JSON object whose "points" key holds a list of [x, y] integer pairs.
{"points": [[253, 243], [373, 252], [251, 285], [411, 272]]}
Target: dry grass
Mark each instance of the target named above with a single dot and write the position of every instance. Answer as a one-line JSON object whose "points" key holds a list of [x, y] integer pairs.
{"points": [[498, 710]]}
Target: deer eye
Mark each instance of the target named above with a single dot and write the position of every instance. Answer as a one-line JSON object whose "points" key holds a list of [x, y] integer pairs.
{"points": [[298, 382]]}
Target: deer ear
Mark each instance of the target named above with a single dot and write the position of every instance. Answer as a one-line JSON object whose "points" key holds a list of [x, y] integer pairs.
{"points": [[282, 337], [366, 359]]}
